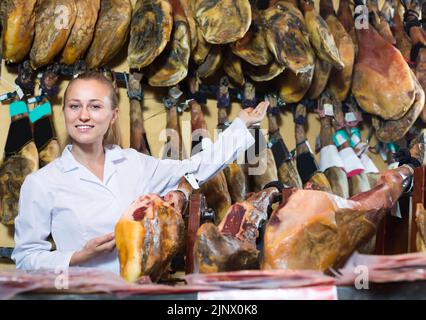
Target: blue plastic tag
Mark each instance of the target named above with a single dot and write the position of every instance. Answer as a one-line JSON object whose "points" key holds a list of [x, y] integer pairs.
{"points": [[355, 137], [40, 111], [340, 137], [17, 107], [391, 147]]}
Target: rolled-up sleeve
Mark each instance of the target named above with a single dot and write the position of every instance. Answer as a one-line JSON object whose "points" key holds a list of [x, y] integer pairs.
{"points": [[32, 229], [213, 158]]}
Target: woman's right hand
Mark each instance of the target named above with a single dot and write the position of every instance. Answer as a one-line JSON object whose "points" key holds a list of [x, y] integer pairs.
{"points": [[93, 248]]}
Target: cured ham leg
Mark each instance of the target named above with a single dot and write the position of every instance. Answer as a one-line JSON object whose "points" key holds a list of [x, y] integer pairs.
{"points": [[382, 80], [236, 179], [357, 177], [112, 29], [212, 62], [233, 67], [45, 136], [50, 35], [286, 164], [232, 245], [320, 79], [202, 49], [320, 36], [150, 30], [148, 235], [380, 20], [82, 31], [287, 37], [318, 230], [360, 147], [340, 79], [293, 87], [330, 158], [21, 157], [252, 47], [344, 14], [394, 130], [403, 41], [138, 139], [222, 22], [305, 160], [172, 65], [215, 189], [174, 148], [18, 25]]}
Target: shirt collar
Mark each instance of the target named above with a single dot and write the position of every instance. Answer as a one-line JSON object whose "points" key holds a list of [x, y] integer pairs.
{"points": [[69, 163]]}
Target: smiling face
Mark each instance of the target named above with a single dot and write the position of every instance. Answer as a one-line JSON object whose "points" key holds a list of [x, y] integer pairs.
{"points": [[88, 111]]}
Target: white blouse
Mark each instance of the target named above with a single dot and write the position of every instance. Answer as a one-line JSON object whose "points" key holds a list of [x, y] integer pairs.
{"points": [[69, 202]]}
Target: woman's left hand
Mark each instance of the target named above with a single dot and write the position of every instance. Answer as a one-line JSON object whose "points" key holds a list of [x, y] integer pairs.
{"points": [[251, 116]]}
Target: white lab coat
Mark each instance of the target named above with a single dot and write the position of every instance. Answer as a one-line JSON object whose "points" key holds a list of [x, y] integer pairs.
{"points": [[66, 200]]}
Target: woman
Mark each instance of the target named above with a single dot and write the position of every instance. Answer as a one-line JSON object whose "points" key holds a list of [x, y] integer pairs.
{"points": [[79, 197]]}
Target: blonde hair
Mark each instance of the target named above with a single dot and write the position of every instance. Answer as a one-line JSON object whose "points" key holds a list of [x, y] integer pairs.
{"points": [[113, 134]]}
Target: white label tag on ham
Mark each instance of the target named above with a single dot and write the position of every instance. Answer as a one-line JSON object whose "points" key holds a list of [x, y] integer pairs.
{"points": [[350, 116], [369, 165], [329, 157], [328, 109], [352, 163], [19, 92], [307, 293]]}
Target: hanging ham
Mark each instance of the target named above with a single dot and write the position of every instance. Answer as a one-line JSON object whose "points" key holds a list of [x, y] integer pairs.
{"points": [[45, 136], [82, 31], [111, 32], [138, 139], [150, 31], [320, 36], [335, 174], [293, 87], [233, 67], [340, 79], [18, 24], [306, 164], [215, 189], [252, 47], [403, 41], [287, 37], [264, 73], [212, 63], [222, 22], [174, 148], [51, 31], [394, 130], [172, 65], [236, 179], [382, 81], [20, 152], [286, 164], [199, 54]]}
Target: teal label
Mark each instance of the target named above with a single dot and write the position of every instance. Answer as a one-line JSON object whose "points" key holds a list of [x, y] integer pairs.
{"points": [[40, 111], [17, 107], [340, 137]]}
